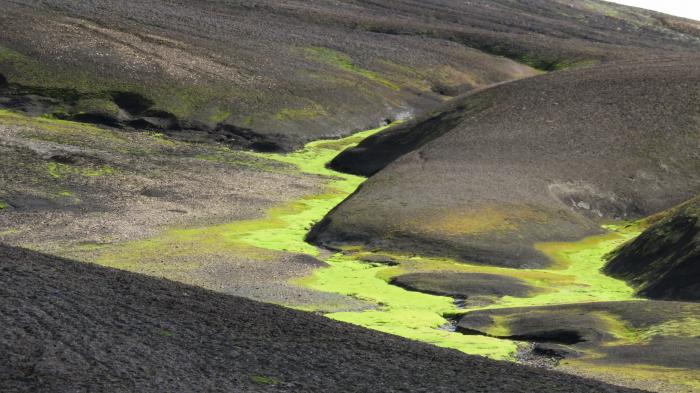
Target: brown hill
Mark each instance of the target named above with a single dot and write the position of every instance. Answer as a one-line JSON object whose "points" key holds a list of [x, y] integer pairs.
{"points": [[542, 159]]}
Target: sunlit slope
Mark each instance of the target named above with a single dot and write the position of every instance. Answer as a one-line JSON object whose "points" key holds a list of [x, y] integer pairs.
{"points": [[271, 75], [549, 158]]}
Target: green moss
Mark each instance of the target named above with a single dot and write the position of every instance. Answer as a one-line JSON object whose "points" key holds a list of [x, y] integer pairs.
{"points": [[218, 115], [9, 232], [98, 105], [59, 170], [3, 205], [574, 278], [53, 169], [307, 112], [345, 63], [263, 380], [404, 313], [282, 229], [24, 70]]}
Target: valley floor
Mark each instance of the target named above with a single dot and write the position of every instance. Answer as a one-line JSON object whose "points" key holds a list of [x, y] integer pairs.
{"points": [[261, 253]]}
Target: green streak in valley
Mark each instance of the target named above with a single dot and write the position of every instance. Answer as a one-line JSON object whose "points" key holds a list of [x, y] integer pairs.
{"points": [[575, 276]]}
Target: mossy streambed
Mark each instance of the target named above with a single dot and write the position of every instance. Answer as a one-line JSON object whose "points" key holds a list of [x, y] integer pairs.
{"points": [[575, 276]]}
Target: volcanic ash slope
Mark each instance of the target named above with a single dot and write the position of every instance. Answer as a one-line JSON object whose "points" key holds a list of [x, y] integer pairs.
{"points": [[547, 158], [664, 262], [68, 325]]}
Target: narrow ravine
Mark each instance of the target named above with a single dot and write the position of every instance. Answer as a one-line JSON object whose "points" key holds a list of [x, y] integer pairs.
{"points": [[415, 315], [574, 277]]}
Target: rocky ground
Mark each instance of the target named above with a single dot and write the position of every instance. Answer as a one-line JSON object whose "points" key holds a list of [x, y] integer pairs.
{"points": [[71, 326], [636, 339], [73, 189], [125, 140], [270, 75]]}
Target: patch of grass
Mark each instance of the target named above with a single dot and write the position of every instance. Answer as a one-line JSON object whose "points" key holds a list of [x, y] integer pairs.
{"points": [[181, 99], [3, 205], [263, 380], [307, 112], [405, 313], [345, 63], [59, 170], [282, 229], [217, 115], [52, 167]]}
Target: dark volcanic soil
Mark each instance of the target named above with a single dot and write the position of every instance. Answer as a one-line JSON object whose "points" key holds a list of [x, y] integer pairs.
{"points": [[541, 159], [270, 74], [462, 285], [68, 326], [664, 262]]}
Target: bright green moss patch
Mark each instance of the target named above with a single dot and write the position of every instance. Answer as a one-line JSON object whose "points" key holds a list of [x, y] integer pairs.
{"points": [[3, 205], [9, 232], [53, 169], [99, 105], [59, 170], [282, 229], [576, 278], [344, 62], [408, 314]]}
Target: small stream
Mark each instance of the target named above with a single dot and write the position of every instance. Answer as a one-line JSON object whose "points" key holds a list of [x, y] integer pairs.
{"points": [[413, 314]]}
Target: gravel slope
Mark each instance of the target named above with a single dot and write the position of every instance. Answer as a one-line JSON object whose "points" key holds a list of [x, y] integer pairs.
{"points": [[271, 74], [664, 261], [77, 327]]}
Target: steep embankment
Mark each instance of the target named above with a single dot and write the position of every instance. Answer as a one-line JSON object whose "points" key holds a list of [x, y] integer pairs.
{"points": [[543, 159], [270, 75], [69, 325], [664, 261]]}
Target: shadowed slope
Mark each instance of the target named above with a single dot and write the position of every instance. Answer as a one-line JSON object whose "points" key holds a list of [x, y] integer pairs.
{"points": [[649, 344], [270, 75], [664, 261], [69, 325], [542, 159]]}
